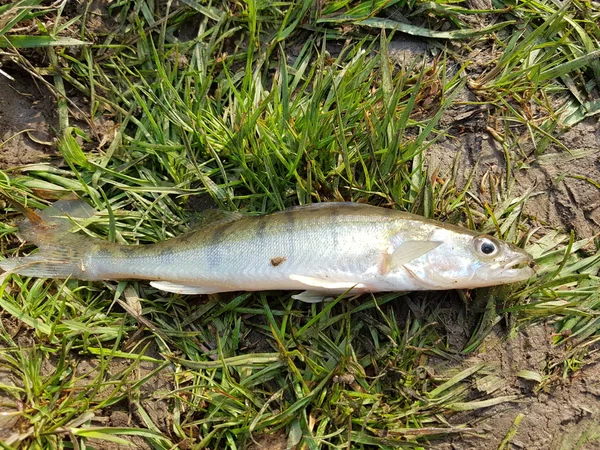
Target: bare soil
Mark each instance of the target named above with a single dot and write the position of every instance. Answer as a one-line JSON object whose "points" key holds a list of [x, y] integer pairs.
{"points": [[565, 414], [562, 416], [560, 195], [27, 121]]}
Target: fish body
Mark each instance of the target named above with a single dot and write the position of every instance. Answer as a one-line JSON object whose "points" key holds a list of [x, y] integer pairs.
{"points": [[324, 249]]}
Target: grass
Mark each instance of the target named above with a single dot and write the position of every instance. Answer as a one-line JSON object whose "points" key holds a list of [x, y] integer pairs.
{"points": [[258, 107]]}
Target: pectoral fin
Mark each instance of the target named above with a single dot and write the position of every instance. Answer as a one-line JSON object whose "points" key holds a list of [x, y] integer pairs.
{"points": [[323, 283], [397, 256], [184, 288]]}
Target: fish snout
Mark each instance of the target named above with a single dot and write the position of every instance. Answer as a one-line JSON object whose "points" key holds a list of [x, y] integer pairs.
{"points": [[521, 260]]}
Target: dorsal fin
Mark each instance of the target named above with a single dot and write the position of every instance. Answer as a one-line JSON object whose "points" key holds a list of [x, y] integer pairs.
{"points": [[211, 217], [329, 205]]}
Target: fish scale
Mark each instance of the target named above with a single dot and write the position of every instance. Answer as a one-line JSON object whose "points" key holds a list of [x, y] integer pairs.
{"points": [[325, 249]]}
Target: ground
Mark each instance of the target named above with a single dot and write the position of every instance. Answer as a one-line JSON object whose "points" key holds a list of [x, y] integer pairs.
{"points": [[558, 199], [563, 414], [27, 120], [554, 418]]}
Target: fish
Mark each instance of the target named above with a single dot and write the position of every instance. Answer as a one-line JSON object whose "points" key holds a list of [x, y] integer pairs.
{"points": [[324, 250]]}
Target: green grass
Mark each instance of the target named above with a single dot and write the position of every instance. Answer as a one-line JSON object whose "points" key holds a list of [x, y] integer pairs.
{"points": [[265, 107]]}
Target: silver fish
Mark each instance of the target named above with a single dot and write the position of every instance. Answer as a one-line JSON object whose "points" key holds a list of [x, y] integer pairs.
{"points": [[325, 250]]}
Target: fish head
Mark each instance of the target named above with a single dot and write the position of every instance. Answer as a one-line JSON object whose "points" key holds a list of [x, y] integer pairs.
{"points": [[466, 260]]}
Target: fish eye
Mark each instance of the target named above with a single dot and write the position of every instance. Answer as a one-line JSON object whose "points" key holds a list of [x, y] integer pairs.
{"points": [[486, 246]]}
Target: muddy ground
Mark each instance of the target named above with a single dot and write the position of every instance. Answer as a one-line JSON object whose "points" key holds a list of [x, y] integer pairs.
{"points": [[566, 414], [563, 415], [556, 418], [28, 120]]}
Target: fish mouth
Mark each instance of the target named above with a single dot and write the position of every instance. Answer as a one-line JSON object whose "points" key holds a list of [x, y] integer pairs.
{"points": [[519, 268], [520, 262]]}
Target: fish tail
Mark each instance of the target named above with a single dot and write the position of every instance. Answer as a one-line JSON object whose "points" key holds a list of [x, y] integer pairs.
{"points": [[61, 254], [57, 263]]}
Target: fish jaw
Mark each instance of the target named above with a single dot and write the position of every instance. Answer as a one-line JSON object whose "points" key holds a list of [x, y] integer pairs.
{"points": [[517, 269]]}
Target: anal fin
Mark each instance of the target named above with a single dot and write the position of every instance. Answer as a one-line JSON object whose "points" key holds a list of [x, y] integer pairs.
{"points": [[185, 289]]}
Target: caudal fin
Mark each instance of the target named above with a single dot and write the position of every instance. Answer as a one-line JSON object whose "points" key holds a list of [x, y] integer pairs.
{"points": [[61, 254]]}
